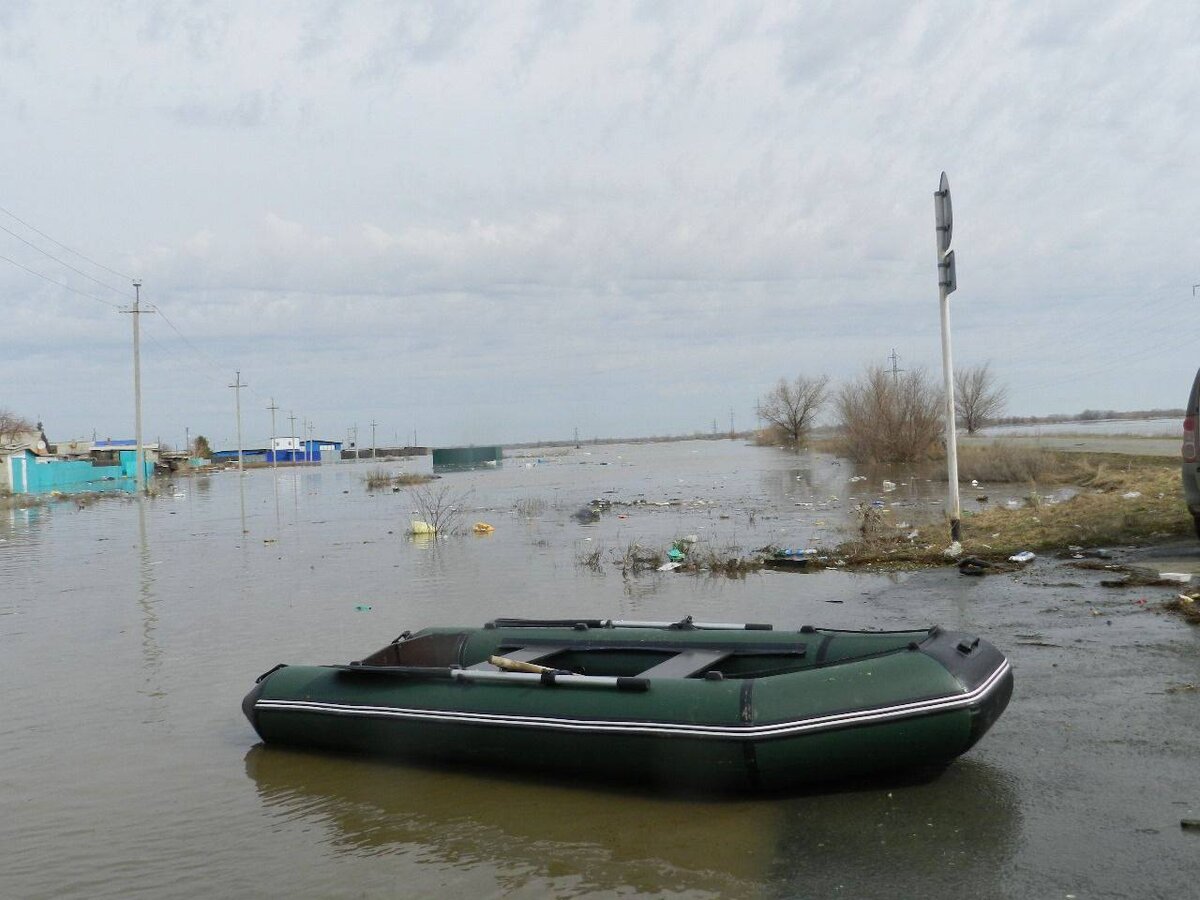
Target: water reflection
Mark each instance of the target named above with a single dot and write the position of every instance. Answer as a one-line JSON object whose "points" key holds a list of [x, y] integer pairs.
{"points": [[599, 839], [147, 603], [887, 838], [931, 838]]}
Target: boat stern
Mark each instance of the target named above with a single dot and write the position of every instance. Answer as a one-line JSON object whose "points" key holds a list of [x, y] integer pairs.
{"points": [[982, 670], [250, 701]]}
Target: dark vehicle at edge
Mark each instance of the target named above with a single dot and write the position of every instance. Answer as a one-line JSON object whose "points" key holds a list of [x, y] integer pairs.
{"points": [[1191, 447]]}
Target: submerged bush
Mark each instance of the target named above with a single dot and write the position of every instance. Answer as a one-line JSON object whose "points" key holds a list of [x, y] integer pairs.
{"points": [[886, 418]]}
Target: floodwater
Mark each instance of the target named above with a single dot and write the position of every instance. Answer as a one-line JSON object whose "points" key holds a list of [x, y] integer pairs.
{"points": [[1135, 427], [129, 632]]}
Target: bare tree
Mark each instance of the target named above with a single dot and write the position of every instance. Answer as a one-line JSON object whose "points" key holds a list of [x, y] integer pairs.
{"points": [[11, 423], [790, 408], [977, 396], [440, 507], [888, 419]]}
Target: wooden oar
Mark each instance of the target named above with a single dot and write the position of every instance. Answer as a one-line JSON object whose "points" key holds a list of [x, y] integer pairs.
{"points": [[515, 665], [541, 676]]}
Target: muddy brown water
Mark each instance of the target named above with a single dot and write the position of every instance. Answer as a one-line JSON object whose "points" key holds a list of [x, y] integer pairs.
{"points": [[130, 631]]}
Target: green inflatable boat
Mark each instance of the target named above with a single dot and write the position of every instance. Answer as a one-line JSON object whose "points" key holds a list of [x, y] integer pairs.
{"points": [[709, 705]]}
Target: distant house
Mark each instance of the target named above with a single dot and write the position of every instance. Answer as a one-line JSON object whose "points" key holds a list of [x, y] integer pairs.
{"points": [[17, 445], [29, 464], [286, 449]]}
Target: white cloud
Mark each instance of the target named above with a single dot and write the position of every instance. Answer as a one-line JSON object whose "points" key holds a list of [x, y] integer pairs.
{"points": [[584, 200]]}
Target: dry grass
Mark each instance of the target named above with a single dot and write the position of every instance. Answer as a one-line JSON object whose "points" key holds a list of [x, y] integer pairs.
{"points": [[590, 559], [530, 507], [1186, 607], [1099, 516], [726, 561], [1004, 463], [636, 559], [382, 479]]}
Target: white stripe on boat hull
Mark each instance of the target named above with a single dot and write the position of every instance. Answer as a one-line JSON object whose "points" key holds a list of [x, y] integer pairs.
{"points": [[664, 729]]}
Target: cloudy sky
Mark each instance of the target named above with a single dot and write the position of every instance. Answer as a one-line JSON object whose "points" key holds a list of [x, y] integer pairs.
{"points": [[503, 221]]}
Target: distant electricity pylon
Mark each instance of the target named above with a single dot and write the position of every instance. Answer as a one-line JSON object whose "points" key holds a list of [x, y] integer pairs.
{"points": [[895, 360]]}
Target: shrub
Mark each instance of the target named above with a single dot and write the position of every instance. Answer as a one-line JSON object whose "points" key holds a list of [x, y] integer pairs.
{"points": [[889, 418]]}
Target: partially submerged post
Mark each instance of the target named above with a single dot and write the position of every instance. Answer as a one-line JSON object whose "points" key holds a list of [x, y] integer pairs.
{"points": [[947, 283], [237, 393], [274, 448]]}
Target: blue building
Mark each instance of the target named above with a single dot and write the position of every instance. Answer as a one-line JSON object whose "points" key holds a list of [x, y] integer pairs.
{"points": [[286, 449], [30, 473]]}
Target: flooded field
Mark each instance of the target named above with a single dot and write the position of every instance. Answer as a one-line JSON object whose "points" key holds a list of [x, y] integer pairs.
{"points": [[130, 631]]}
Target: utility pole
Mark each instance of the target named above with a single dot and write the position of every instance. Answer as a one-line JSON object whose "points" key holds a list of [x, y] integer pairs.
{"points": [[237, 394], [139, 453], [373, 454], [274, 452], [187, 441], [947, 284], [895, 371], [292, 416], [732, 433], [303, 435]]}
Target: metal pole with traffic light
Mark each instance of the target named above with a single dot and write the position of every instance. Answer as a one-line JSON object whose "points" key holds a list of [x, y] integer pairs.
{"points": [[947, 283]]}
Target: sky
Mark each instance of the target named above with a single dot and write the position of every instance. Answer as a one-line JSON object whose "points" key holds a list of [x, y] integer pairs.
{"points": [[505, 221]]}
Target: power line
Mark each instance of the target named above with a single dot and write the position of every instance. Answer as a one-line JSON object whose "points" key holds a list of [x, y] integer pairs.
{"points": [[63, 263], [64, 246], [60, 283], [184, 337]]}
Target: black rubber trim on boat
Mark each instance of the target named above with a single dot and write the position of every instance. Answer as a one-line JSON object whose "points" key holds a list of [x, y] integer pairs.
{"points": [[749, 748], [823, 648], [632, 683], [989, 710], [971, 668], [746, 701], [249, 703], [261, 678]]}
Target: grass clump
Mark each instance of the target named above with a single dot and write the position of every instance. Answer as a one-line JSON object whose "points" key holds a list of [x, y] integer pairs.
{"points": [[636, 559], [590, 559], [1185, 606], [530, 507], [382, 479], [1004, 463], [726, 561]]}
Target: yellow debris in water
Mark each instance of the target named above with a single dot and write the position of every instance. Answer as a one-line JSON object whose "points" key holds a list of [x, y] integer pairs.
{"points": [[419, 527], [483, 528]]}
